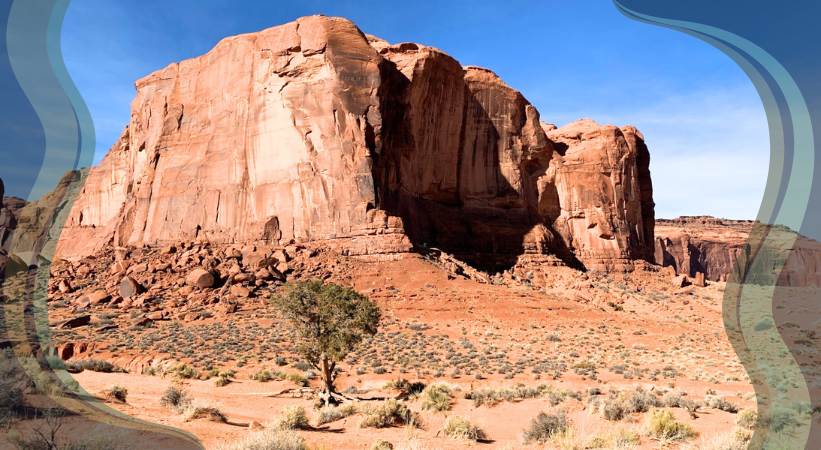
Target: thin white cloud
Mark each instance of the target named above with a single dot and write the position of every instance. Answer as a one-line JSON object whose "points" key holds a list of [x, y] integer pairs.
{"points": [[709, 149]]}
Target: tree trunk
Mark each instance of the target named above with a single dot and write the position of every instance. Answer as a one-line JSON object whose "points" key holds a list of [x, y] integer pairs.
{"points": [[327, 375], [328, 397]]}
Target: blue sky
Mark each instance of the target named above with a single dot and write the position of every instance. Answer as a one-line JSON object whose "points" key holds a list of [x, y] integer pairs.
{"points": [[701, 117]]}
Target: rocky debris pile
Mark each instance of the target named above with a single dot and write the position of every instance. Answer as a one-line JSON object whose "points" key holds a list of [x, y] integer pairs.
{"points": [[188, 281], [456, 267], [313, 132]]}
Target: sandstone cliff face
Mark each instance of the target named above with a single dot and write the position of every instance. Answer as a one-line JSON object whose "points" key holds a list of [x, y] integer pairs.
{"points": [[30, 230], [605, 192], [700, 244], [715, 246], [313, 132]]}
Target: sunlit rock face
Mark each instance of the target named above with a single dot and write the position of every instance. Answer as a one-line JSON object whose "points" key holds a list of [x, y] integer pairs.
{"points": [[314, 132]]}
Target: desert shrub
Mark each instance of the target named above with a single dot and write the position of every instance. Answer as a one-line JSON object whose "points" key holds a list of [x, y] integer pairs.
{"points": [[460, 428], [293, 418], [545, 426], [720, 403], [613, 409], [738, 439], [663, 425], [594, 391], [196, 411], [779, 419], [437, 397], [640, 400], [174, 397], [619, 405], [625, 438], [381, 444], [73, 366], [302, 365], [55, 362], [517, 393], [297, 379], [405, 386], [281, 361], [330, 414], [223, 379], [185, 372], [387, 414], [263, 376], [117, 393], [11, 397], [673, 400], [619, 439], [94, 365], [270, 439], [747, 419]]}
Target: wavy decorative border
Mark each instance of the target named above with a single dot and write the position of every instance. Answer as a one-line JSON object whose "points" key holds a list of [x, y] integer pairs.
{"points": [[758, 286], [35, 69]]}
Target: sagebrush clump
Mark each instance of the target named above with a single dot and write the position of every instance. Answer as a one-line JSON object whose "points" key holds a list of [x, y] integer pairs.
{"points": [[406, 387], [437, 397], [175, 398], [330, 414], [720, 403], [618, 405], [544, 426], [206, 411], [663, 425], [388, 414], [747, 419], [490, 397], [293, 418], [460, 428], [117, 393], [269, 439]]}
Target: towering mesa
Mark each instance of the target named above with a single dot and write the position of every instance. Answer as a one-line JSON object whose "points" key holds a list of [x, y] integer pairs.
{"points": [[314, 132]]}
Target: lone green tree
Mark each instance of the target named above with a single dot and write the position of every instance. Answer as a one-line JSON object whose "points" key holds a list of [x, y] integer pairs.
{"points": [[330, 320]]}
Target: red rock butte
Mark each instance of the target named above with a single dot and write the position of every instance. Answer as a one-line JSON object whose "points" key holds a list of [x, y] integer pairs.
{"points": [[314, 132]]}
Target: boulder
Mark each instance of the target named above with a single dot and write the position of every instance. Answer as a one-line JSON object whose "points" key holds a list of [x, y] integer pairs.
{"points": [[95, 297], [680, 281], [243, 277], [76, 322], [64, 287], [138, 268], [156, 315], [237, 290], [699, 280], [200, 278], [129, 287], [281, 255]]}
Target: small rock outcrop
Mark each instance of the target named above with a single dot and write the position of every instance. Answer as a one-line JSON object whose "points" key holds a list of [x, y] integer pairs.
{"points": [[313, 132]]}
